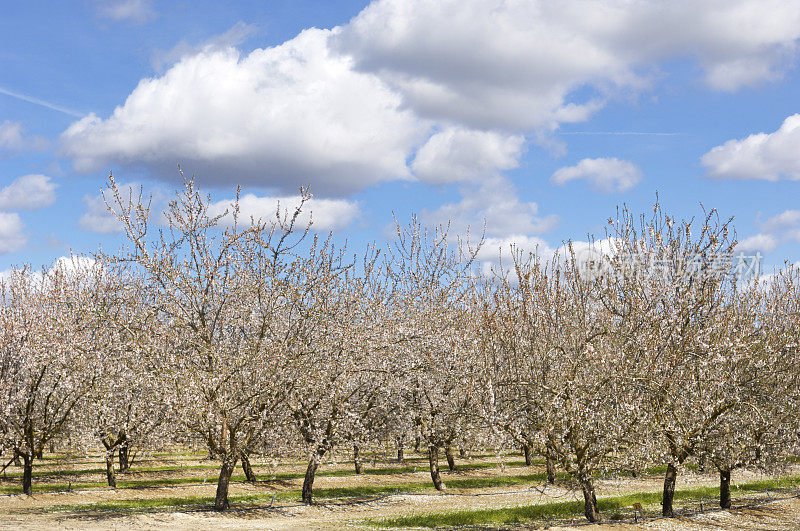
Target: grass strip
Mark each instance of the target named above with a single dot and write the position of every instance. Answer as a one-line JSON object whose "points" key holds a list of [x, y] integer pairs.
{"points": [[564, 510], [503, 516], [144, 483]]}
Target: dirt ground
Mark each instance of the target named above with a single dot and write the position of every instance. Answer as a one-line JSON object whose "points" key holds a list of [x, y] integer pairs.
{"points": [[779, 515], [40, 514]]}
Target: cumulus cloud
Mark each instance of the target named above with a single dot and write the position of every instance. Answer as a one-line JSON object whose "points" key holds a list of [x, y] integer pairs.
{"points": [[29, 192], [346, 108], [456, 155], [293, 114], [758, 242], [126, 10], [98, 219], [12, 233], [497, 254], [603, 174], [14, 139], [775, 230], [496, 204], [325, 214], [767, 156], [785, 220], [515, 65]]}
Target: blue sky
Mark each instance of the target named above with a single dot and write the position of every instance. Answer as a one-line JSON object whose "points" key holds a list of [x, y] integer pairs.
{"points": [[535, 118]]}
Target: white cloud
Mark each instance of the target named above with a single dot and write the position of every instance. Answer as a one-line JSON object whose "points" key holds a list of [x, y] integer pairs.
{"points": [[96, 218], [494, 202], [456, 155], [784, 220], [768, 156], [29, 192], [346, 108], [603, 174], [758, 242], [281, 117], [11, 135], [236, 35], [325, 214], [123, 10], [73, 264], [12, 233], [497, 254], [14, 139], [775, 230], [515, 65]]}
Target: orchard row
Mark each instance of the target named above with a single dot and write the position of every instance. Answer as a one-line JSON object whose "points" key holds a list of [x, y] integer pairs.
{"points": [[258, 337]]}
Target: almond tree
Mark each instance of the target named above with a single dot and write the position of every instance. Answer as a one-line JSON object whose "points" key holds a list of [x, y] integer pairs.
{"points": [[218, 294], [759, 346], [510, 334], [48, 361], [341, 389], [580, 373], [674, 276], [435, 353]]}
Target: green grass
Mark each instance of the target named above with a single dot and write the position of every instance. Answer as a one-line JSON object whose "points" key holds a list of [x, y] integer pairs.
{"points": [[566, 510], [512, 515], [466, 483], [145, 483]]}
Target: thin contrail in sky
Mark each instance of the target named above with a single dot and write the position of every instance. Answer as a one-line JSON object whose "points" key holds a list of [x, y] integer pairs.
{"points": [[37, 101], [642, 133]]}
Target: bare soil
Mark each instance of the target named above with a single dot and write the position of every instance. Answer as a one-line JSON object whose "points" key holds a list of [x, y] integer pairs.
{"points": [[40, 511]]}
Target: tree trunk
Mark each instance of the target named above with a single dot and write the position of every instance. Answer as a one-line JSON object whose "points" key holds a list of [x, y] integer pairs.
{"points": [[27, 474], [462, 452], [669, 491], [526, 453], [550, 466], [417, 442], [399, 450], [451, 462], [701, 463], [110, 476], [247, 468], [433, 458], [17, 460], [357, 458], [228, 464], [124, 462], [589, 500], [311, 471], [725, 489]]}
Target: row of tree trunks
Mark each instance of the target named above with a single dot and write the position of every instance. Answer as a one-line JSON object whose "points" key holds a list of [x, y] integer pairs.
{"points": [[668, 495]]}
